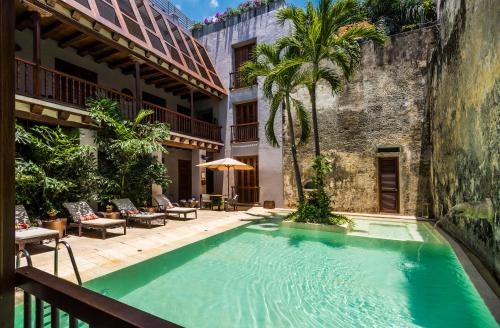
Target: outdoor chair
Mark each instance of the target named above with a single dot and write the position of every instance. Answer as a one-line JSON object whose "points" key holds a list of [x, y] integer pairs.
{"points": [[167, 207], [233, 202], [131, 213], [82, 216], [205, 199], [29, 234]]}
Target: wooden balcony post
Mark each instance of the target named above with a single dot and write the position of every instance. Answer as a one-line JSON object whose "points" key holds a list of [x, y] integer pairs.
{"points": [[37, 59], [7, 155], [138, 91], [191, 99]]}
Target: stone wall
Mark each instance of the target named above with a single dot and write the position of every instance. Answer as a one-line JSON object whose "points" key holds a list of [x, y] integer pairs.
{"points": [[465, 108], [383, 106]]}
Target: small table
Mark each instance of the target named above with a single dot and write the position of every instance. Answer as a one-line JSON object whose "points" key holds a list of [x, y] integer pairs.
{"points": [[219, 200], [111, 215]]}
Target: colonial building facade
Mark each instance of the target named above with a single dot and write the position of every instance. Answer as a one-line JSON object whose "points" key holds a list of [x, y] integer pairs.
{"points": [[132, 51]]}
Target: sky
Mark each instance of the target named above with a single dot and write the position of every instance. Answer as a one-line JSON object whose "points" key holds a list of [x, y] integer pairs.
{"points": [[198, 10]]}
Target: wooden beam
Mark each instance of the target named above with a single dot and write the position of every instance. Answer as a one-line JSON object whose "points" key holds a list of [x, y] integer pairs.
{"points": [[138, 91], [24, 21], [36, 109], [169, 85], [44, 119], [181, 91], [120, 63], [102, 57], [93, 47], [7, 157], [175, 89], [158, 79], [72, 39], [63, 115], [152, 74], [51, 29]]}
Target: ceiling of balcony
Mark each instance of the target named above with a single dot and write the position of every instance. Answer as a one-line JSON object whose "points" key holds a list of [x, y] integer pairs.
{"points": [[121, 32]]}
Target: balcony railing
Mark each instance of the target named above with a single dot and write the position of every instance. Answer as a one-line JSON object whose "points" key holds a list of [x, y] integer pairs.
{"points": [[236, 81], [245, 132], [69, 305], [50, 85]]}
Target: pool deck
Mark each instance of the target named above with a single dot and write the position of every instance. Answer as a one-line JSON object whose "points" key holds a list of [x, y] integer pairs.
{"points": [[96, 257]]}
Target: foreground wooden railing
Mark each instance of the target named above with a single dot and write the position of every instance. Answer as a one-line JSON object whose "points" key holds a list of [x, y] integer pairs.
{"points": [[48, 84], [81, 305], [245, 132]]}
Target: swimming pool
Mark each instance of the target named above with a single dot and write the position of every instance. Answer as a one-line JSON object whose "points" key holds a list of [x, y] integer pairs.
{"points": [[266, 275]]}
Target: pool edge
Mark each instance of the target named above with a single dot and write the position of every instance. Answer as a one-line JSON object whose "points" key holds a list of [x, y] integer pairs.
{"points": [[482, 286]]}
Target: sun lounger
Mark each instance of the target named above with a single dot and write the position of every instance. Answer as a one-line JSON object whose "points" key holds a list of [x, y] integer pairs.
{"points": [[82, 216], [131, 213], [31, 234], [166, 206]]}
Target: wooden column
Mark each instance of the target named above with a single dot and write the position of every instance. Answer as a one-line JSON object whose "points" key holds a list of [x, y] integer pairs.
{"points": [[7, 155], [37, 58], [191, 99], [138, 90]]}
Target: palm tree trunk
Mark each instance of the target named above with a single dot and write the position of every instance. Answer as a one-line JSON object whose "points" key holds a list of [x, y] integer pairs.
{"points": [[296, 169], [312, 93]]}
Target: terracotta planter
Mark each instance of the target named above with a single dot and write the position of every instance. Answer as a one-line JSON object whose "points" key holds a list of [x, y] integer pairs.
{"points": [[57, 224], [269, 204]]}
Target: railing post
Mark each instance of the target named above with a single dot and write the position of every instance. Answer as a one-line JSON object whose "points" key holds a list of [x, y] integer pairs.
{"points": [[7, 156], [138, 91], [36, 53]]}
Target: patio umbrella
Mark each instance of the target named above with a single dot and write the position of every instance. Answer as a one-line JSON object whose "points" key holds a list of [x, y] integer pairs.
{"points": [[226, 164]]}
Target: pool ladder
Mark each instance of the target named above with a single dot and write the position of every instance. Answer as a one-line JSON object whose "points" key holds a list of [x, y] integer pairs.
{"points": [[53, 313], [27, 256]]}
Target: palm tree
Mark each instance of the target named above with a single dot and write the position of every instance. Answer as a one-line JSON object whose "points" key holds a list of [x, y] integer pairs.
{"points": [[277, 88], [325, 39]]}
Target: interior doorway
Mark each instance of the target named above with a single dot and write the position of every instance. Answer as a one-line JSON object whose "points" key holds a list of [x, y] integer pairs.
{"points": [[184, 178]]}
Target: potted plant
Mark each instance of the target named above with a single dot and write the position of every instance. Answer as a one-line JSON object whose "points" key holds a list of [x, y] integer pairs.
{"points": [[109, 208], [54, 223]]}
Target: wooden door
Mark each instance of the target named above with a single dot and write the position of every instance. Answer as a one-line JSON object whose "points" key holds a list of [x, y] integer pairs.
{"points": [[184, 179], [246, 113], [388, 184], [242, 55], [247, 182]]}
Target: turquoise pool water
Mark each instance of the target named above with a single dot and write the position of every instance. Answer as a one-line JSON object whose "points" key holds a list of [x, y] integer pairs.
{"points": [[263, 275]]}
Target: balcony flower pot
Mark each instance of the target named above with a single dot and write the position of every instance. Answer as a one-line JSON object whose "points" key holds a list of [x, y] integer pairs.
{"points": [[56, 224]]}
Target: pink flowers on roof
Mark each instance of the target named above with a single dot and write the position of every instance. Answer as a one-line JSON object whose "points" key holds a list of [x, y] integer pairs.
{"points": [[243, 7]]}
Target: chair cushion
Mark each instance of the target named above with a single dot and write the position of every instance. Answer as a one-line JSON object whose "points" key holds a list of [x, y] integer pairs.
{"points": [[181, 210], [124, 204], [88, 217], [103, 222], [133, 212], [35, 233]]}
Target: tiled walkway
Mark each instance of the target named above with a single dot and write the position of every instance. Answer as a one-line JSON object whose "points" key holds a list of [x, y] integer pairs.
{"points": [[96, 257]]}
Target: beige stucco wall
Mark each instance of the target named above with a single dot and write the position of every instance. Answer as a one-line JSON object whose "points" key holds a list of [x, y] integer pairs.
{"points": [[383, 106]]}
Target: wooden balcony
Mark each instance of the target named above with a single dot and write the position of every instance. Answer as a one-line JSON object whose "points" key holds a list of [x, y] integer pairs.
{"points": [[71, 305], [50, 85], [236, 81], [245, 132]]}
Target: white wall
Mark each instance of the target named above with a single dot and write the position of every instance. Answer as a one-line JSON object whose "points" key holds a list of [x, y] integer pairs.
{"points": [[263, 29]]}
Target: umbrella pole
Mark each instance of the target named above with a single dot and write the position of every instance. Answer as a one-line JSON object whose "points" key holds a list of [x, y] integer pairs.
{"points": [[225, 205]]}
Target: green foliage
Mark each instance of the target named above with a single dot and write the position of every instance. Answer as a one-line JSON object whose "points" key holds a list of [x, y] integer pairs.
{"points": [[400, 15], [125, 152], [317, 206], [51, 168]]}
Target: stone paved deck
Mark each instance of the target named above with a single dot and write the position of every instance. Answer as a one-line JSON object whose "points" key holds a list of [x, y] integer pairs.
{"points": [[96, 257]]}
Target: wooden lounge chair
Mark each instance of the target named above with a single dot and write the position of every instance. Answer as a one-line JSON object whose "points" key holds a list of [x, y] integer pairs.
{"points": [[82, 216], [167, 207], [131, 213], [33, 234], [233, 202]]}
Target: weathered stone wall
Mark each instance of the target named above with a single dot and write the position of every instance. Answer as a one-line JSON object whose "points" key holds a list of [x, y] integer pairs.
{"points": [[465, 108], [384, 105]]}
